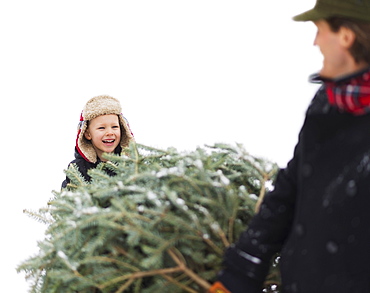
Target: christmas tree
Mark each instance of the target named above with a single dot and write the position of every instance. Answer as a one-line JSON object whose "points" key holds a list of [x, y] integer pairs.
{"points": [[160, 224]]}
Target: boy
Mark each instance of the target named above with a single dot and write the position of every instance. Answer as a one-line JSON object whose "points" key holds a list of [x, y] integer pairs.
{"points": [[102, 129], [318, 215]]}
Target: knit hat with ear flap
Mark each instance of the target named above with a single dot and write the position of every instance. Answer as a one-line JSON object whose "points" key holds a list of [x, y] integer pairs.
{"points": [[97, 106]]}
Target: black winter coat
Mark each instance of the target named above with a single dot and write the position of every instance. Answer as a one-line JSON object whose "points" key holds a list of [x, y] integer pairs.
{"points": [[318, 215], [84, 166]]}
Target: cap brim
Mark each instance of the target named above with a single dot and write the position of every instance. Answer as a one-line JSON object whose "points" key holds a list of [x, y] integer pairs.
{"points": [[310, 15]]}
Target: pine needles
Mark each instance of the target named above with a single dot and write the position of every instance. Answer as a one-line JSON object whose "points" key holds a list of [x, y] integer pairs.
{"points": [[160, 224]]}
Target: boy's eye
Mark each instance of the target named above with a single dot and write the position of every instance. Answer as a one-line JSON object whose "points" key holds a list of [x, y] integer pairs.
{"points": [[101, 127], [115, 126]]}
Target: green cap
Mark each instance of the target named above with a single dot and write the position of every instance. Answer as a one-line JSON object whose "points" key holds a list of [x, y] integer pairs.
{"points": [[324, 9]]}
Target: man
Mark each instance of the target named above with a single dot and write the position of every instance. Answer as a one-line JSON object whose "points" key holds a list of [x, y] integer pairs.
{"points": [[318, 215]]}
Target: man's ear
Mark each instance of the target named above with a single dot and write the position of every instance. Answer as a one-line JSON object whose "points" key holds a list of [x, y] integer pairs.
{"points": [[347, 37], [87, 134]]}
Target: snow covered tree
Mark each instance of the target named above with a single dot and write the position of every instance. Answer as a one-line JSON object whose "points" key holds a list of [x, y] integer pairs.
{"points": [[161, 224]]}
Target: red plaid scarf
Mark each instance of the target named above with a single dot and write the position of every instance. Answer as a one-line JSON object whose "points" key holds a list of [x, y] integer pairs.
{"points": [[351, 95]]}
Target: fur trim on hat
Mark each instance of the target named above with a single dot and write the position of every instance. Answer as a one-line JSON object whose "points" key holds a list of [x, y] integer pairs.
{"points": [[97, 106]]}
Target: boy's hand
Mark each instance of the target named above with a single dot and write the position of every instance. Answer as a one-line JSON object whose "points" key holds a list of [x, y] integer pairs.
{"points": [[218, 287]]}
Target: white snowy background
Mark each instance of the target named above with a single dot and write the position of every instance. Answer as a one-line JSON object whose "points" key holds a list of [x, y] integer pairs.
{"points": [[187, 73]]}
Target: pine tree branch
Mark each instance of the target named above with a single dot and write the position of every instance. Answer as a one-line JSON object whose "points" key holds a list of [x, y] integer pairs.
{"points": [[223, 237], [203, 283], [172, 280], [38, 216], [262, 192], [139, 275], [211, 244], [105, 259], [231, 226], [75, 176], [125, 253], [219, 232], [137, 159], [125, 286]]}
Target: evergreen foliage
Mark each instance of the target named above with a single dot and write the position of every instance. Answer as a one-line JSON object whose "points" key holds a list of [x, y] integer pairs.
{"points": [[161, 224]]}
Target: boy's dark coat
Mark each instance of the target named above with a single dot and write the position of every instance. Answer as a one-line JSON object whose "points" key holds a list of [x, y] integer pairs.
{"points": [[318, 215], [84, 166]]}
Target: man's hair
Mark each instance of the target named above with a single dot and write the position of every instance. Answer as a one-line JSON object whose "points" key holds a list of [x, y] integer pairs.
{"points": [[360, 49]]}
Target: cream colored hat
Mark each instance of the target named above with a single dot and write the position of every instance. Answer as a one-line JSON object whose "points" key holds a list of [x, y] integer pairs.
{"points": [[97, 106]]}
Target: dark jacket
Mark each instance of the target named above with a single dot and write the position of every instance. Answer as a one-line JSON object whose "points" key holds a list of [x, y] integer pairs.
{"points": [[318, 215], [84, 166]]}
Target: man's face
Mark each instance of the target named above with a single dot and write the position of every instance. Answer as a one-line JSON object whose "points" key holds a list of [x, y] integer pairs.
{"points": [[337, 59]]}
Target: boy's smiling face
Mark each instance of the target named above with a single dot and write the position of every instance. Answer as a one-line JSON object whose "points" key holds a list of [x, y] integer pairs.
{"points": [[104, 132]]}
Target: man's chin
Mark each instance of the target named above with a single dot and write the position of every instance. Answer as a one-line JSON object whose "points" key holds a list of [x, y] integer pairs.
{"points": [[327, 74]]}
